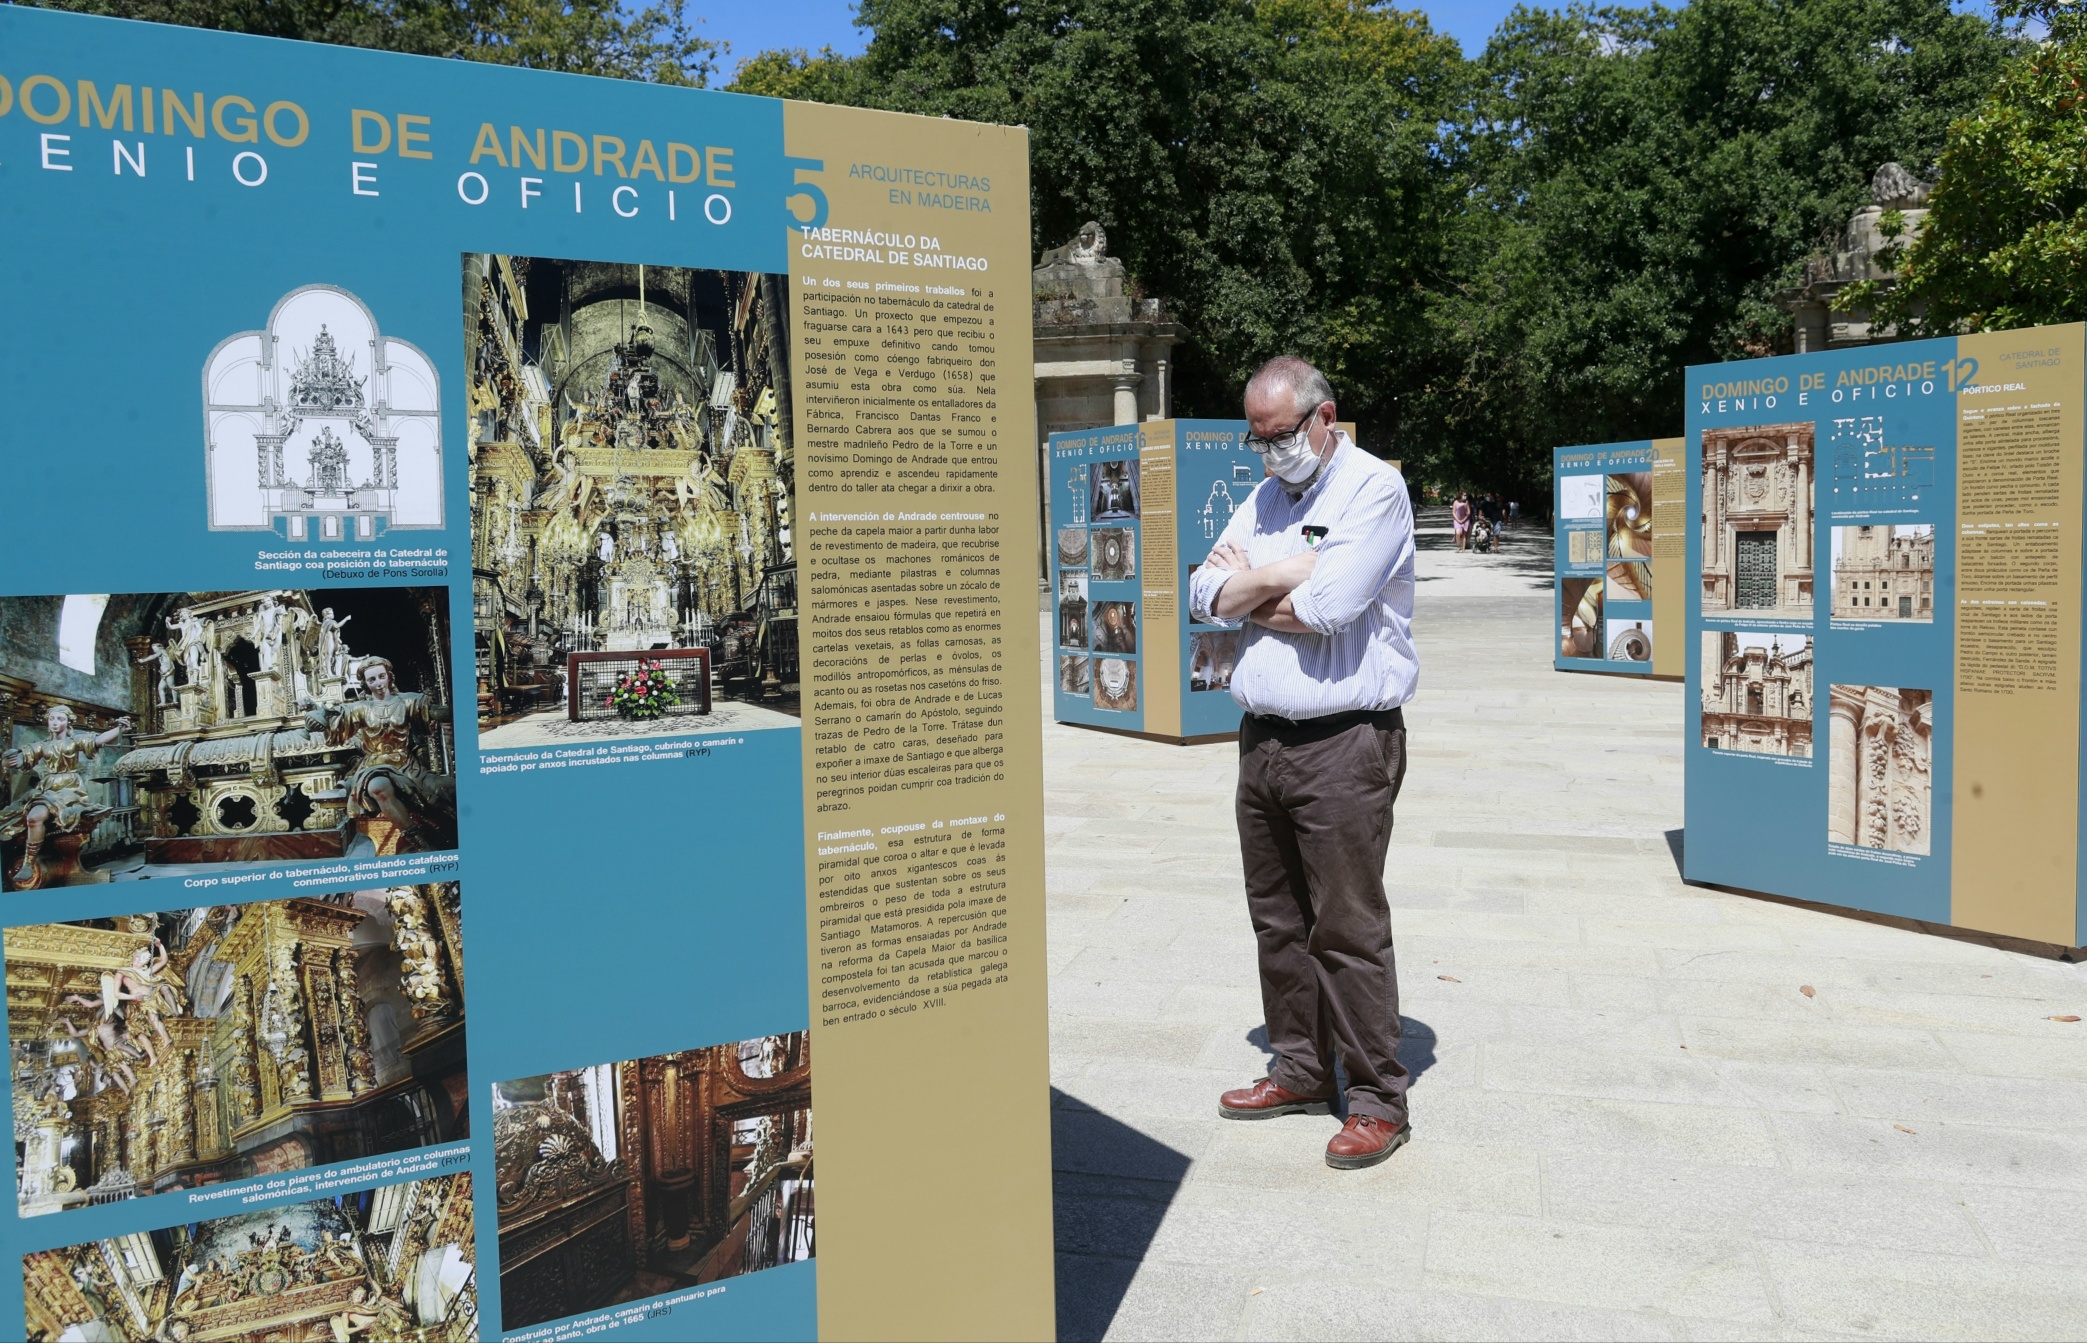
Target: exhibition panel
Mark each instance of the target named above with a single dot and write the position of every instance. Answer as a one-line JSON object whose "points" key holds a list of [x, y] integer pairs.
{"points": [[595, 496], [1884, 633], [1611, 529], [1134, 511]]}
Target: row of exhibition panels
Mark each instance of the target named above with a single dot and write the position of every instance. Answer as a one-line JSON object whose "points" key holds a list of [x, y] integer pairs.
{"points": [[1865, 566]]}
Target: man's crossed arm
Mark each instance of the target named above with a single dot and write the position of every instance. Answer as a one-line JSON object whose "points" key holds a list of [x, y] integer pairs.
{"points": [[1261, 595]]}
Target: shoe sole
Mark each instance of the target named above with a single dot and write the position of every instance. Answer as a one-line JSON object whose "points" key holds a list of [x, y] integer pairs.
{"points": [[1373, 1158], [1275, 1111]]}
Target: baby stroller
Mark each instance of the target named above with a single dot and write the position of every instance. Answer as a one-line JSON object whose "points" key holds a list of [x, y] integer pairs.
{"points": [[1482, 537]]}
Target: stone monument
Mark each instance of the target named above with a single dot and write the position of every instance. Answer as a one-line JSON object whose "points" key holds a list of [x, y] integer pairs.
{"points": [[1103, 355], [1818, 325]]}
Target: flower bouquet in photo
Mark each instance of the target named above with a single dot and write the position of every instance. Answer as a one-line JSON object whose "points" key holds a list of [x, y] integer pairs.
{"points": [[645, 693]]}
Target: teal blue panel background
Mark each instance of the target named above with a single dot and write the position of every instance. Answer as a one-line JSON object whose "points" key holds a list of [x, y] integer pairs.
{"points": [[609, 913]]}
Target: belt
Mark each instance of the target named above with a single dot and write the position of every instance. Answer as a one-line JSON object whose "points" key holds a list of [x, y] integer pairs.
{"points": [[1394, 718]]}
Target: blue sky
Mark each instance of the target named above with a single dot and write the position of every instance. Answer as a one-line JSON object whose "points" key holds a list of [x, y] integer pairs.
{"points": [[758, 25]]}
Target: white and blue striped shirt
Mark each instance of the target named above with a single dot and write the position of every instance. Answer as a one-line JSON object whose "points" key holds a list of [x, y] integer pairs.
{"points": [[1359, 599]]}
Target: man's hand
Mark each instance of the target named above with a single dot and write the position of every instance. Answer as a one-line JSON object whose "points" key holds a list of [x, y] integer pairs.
{"points": [[1280, 615], [1229, 556]]}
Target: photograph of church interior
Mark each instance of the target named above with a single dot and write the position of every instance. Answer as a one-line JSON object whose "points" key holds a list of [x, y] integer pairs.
{"points": [[395, 1264], [631, 478], [146, 734], [628, 1180], [1757, 692], [157, 1052]]}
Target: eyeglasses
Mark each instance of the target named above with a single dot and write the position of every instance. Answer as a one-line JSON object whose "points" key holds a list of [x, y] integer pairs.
{"points": [[1285, 440]]}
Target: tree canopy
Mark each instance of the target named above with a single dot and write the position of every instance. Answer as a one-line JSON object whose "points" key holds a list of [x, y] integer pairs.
{"points": [[1491, 256], [2005, 240]]}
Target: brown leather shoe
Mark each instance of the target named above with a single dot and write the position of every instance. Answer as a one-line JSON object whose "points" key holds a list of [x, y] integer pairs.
{"points": [[1365, 1140], [1265, 1100]]}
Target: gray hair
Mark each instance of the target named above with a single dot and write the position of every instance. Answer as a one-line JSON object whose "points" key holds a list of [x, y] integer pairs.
{"points": [[1308, 387]]}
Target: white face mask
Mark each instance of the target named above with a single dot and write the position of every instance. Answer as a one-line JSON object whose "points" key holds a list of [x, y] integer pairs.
{"points": [[1293, 463]]}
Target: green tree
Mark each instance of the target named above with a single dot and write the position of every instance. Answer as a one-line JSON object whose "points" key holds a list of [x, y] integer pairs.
{"points": [[588, 37], [1274, 170], [1644, 181], [2005, 239]]}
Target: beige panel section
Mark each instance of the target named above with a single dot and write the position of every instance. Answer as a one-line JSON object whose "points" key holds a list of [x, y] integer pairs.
{"points": [[2014, 862], [1161, 578], [917, 510], [1669, 557]]}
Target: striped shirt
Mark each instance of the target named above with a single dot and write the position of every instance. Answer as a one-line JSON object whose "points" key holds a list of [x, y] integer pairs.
{"points": [[1358, 601]]}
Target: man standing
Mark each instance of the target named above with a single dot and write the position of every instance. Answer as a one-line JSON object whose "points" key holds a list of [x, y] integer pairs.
{"points": [[1318, 566]]}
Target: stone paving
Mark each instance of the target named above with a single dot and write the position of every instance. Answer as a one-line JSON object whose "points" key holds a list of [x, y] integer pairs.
{"points": [[1631, 1120]]}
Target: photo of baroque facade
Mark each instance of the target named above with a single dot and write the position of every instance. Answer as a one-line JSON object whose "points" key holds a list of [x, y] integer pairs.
{"points": [[144, 734], [630, 1180], [1881, 792], [631, 492], [1757, 520], [394, 1263], [160, 1052], [1757, 693], [1884, 573]]}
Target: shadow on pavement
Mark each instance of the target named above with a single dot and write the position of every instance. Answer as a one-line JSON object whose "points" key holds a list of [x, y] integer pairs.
{"points": [[1110, 1189]]}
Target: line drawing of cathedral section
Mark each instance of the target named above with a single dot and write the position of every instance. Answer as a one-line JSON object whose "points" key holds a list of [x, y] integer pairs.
{"points": [[632, 486], [1884, 573], [160, 1052], [1880, 794], [629, 1180], [1758, 493], [153, 734], [396, 1262], [1757, 693], [319, 427]]}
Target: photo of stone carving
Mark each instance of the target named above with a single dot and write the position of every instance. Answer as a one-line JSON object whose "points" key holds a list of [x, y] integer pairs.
{"points": [[1884, 573], [1115, 627], [1583, 547], [394, 1262], [1072, 585], [1211, 658], [1075, 674], [1072, 547], [1757, 693], [630, 1180], [161, 1052], [1579, 617], [1115, 685], [633, 477], [142, 734], [1115, 554], [1757, 520], [319, 427], [1581, 496], [1630, 516], [1879, 794], [1629, 582], [1630, 640], [1072, 625], [1115, 491]]}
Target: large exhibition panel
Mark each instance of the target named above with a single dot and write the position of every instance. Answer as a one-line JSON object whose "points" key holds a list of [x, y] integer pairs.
{"points": [[1884, 629], [571, 528]]}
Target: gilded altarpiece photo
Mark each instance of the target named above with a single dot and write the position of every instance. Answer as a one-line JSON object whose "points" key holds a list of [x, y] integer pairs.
{"points": [[630, 1180], [632, 479], [394, 1263], [152, 734], [159, 1052]]}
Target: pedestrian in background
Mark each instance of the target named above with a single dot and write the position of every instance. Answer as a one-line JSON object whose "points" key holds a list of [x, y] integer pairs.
{"points": [[1317, 566], [1460, 519]]}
